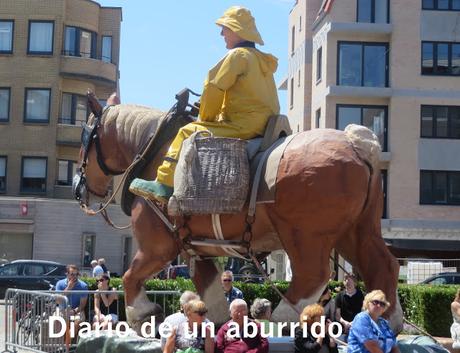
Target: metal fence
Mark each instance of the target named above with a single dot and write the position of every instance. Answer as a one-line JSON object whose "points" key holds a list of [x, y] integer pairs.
{"points": [[30, 315], [414, 271], [27, 318]]}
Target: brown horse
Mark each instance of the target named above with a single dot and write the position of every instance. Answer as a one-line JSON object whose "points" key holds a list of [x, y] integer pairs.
{"points": [[328, 196]]}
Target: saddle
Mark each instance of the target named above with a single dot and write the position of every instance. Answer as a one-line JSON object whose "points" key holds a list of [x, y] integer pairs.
{"points": [[257, 150]]}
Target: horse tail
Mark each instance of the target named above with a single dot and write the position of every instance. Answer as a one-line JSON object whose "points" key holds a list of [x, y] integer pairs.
{"points": [[365, 144]]}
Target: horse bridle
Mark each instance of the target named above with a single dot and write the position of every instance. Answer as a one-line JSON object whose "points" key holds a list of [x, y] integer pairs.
{"points": [[89, 135]]}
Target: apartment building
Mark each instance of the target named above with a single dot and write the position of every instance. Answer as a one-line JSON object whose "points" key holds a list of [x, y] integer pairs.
{"points": [[393, 66], [51, 53]]}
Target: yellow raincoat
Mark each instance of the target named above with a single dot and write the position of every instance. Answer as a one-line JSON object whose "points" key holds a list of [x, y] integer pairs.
{"points": [[238, 98]]}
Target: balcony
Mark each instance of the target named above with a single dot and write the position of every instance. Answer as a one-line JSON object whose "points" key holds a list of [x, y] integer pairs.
{"points": [[97, 71], [359, 92], [357, 30], [383, 30], [68, 135]]}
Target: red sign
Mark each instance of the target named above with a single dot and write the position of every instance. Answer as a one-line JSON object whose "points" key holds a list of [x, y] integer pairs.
{"points": [[24, 208]]}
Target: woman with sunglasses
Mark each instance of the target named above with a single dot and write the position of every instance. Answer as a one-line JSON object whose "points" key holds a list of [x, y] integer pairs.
{"points": [[105, 304], [189, 336], [370, 332]]}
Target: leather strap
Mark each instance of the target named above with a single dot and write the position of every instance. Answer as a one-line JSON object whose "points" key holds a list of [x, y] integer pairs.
{"points": [[258, 174]]}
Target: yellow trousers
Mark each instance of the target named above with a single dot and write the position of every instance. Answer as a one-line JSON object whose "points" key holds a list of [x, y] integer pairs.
{"points": [[165, 173]]}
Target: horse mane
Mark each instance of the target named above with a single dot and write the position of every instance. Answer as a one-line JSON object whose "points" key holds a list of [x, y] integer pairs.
{"points": [[134, 123]]}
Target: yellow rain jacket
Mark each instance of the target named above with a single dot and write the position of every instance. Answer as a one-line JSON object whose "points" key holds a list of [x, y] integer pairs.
{"points": [[240, 90], [238, 98]]}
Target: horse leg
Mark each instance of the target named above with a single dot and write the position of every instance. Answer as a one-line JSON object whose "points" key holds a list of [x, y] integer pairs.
{"points": [[206, 277], [309, 256], [156, 249], [367, 252]]}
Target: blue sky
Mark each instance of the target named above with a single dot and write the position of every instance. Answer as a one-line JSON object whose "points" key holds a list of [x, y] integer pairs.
{"points": [[168, 45]]}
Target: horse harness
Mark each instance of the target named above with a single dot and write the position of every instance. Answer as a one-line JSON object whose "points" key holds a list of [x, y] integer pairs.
{"points": [[89, 135]]}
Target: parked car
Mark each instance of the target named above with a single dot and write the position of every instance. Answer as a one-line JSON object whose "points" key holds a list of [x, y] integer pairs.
{"points": [[30, 274], [443, 278], [244, 271], [178, 271]]}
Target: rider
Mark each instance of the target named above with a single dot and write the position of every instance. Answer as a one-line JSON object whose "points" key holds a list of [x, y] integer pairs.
{"points": [[238, 97]]}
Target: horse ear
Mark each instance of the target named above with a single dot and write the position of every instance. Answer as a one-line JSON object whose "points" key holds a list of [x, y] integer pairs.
{"points": [[94, 104], [113, 99]]}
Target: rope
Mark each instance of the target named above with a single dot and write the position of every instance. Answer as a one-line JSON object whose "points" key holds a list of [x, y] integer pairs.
{"points": [[102, 208], [420, 330], [109, 221], [267, 279]]}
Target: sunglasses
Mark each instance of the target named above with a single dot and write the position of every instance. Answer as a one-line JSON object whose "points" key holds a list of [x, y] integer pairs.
{"points": [[226, 280], [73, 274], [101, 280], [379, 303], [201, 313]]}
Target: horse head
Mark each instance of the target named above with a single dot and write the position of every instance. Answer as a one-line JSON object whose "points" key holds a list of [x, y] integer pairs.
{"points": [[92, 182]]}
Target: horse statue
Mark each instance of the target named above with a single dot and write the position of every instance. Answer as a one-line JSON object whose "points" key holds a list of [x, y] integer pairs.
{"points": [[328, 196]]}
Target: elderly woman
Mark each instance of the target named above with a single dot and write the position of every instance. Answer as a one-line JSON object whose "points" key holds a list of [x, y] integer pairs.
{"points": [[261, 311], [369, 331], [310, 344], [455, 328], [186, 337], [239, 96]]}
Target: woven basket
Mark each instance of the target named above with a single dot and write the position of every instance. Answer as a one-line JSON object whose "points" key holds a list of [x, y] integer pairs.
{"points": [[212, 176]]}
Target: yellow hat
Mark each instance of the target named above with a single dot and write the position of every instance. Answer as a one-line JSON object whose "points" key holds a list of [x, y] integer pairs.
{"points": [[239, 20]]}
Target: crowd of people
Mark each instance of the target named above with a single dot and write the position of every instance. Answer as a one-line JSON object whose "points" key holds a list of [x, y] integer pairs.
{"points": [[360, 317]]}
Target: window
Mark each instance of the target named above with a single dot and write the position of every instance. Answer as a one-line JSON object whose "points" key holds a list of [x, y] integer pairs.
{"points": [[300, 24], [6, 36], [106, 49], [319, 59], [66, 171], [37, 105], [34, 270], [10, 270], [79, 42], [291, 100], [441, 5], [34, 174], [439, 187], [363, 64], [440, 121], [41, 37], [298, 78], [384, 174], [292, 40], [373, 11], [372, 117], [318, 118], [3, 161], [89, 247], [4, 104], [74, 109], [440, 58]]}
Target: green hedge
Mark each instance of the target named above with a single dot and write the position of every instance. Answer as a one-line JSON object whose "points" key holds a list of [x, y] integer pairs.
{"points": [[426, 306]]}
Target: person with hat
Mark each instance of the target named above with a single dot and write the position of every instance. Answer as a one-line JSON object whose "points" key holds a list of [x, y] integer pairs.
{"points": [[239, 96]]}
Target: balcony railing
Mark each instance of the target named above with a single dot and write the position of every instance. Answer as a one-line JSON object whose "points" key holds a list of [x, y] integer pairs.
{"points": [[82, 54]]}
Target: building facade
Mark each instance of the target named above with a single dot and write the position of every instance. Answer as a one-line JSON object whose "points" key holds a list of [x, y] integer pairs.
{"points": [[51, 53], [393, 66]]}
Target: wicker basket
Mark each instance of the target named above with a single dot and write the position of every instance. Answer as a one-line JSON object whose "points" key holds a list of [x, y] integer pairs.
{"points": [[212, 176]]}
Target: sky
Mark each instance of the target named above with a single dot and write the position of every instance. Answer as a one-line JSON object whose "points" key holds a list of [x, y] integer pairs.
{"points": [[167, 45]]}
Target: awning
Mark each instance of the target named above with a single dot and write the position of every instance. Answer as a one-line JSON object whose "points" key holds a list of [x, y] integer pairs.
{"points": [[424, 244]]}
